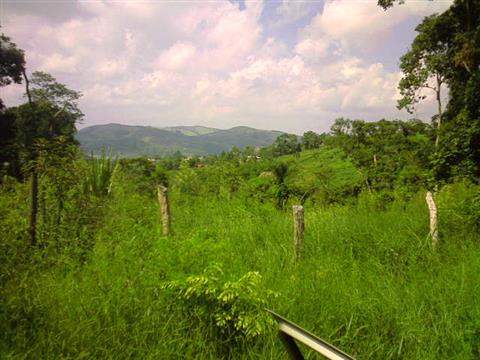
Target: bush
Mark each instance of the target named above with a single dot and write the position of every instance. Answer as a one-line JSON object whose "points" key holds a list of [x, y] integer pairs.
{"points": [[234, 309]]}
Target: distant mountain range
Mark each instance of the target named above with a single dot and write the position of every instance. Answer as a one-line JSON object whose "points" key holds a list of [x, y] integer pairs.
{"points": [[130, 141]]}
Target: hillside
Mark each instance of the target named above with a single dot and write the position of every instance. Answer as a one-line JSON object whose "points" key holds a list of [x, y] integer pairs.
{"points": [[191, 130], [131, 141]]}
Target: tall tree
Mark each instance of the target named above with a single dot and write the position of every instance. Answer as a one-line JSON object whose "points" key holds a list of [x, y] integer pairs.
{"points": [[425, 66], [457, 32], [286, 144], [51, 112], [12, 66], [311, 140], [12, 63], [449, 45]]}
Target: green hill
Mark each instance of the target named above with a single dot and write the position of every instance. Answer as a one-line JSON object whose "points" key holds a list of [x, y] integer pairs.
{"points": [[191, 130], [132, 141]]}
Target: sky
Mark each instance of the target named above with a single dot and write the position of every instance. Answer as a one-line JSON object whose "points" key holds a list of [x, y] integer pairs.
{"points": [[285, 65]]}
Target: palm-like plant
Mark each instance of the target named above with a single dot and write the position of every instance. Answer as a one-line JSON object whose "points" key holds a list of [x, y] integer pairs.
{"points": [[99, 178]]}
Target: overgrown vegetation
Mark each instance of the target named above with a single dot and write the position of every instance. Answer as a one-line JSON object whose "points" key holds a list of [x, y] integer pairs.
{"points": [[86, 273], [369, 281]]}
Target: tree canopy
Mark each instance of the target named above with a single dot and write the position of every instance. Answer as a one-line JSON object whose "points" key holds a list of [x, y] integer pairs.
{"points": [[12, 63]]}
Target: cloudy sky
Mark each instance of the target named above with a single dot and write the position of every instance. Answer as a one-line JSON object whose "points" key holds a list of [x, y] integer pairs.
{"points": [[286, 65]]}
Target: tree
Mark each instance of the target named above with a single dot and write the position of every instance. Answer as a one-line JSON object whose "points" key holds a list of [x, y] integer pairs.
{"points": [[9, 149], [341, 126], [457, 31], [281, 171], [389, 154], [248, 152], [51, 112], [425, 66], [12, 63], [46, 90], [12, 66], [449, 49], [286, 144], [311, 140], [389, 3]]}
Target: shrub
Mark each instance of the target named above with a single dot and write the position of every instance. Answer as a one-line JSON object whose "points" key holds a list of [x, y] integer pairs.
{"points": [[233, 309], [100, 175]]}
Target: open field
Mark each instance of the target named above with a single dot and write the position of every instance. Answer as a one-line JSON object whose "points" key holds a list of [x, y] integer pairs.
{"points": [[368, 281]]}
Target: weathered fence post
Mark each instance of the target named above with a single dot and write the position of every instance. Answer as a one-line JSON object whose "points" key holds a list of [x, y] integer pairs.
{"points": [[164, 209], [432, 208], [298, 230]]}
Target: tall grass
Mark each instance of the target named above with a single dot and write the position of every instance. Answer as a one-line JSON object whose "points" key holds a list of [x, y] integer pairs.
{"points": [[369, 281]]}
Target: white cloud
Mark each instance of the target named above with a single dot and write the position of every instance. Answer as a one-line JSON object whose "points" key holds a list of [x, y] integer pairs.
{"points": [[365, 25], [165, 63], [176, 57], [313, 48], [59, 63]]}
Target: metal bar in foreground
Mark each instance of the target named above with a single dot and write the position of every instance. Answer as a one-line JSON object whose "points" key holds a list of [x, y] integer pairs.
{"points": [[289, 332]]}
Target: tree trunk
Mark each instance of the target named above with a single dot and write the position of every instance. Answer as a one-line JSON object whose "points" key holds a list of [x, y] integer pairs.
{"points": [[432, 208], [27, 87], [33, 208], [298, 230], [43, 209], [164, 209], [440, 111], [58, 221], [34, 179]]}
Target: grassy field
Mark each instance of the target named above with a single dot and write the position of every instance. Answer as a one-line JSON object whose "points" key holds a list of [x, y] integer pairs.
{"points": [[368, 282]]}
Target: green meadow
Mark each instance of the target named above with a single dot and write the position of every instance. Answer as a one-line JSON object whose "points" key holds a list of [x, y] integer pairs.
{"points": [[368, 280]]}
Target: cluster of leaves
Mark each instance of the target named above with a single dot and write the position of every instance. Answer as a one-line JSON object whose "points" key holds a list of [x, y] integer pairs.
{"points": [[234, 309], [37, 141], [100, 175], [12, 63], [289, 144], [390, 154], [446, 51], [146, 174]]}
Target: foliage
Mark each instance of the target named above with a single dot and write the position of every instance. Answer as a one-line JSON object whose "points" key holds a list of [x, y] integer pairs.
{"points": [[424, 66], [281, 170], [386, 151], [398, 299], [104, 283], [311, 140], [52, 115], [323, 176], [234, 308], [389, 3], [101, 171], [12, 63], [9, 149], [447, 47], [286, 144], [46, 90]]}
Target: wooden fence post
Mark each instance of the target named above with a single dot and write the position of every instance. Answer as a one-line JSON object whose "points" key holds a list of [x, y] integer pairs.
{"points": [[298, 230], [432, 208], [164, 209]]}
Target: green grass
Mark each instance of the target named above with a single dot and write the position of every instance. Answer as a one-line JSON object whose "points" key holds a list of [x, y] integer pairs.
{"points": [[368, 282]]}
